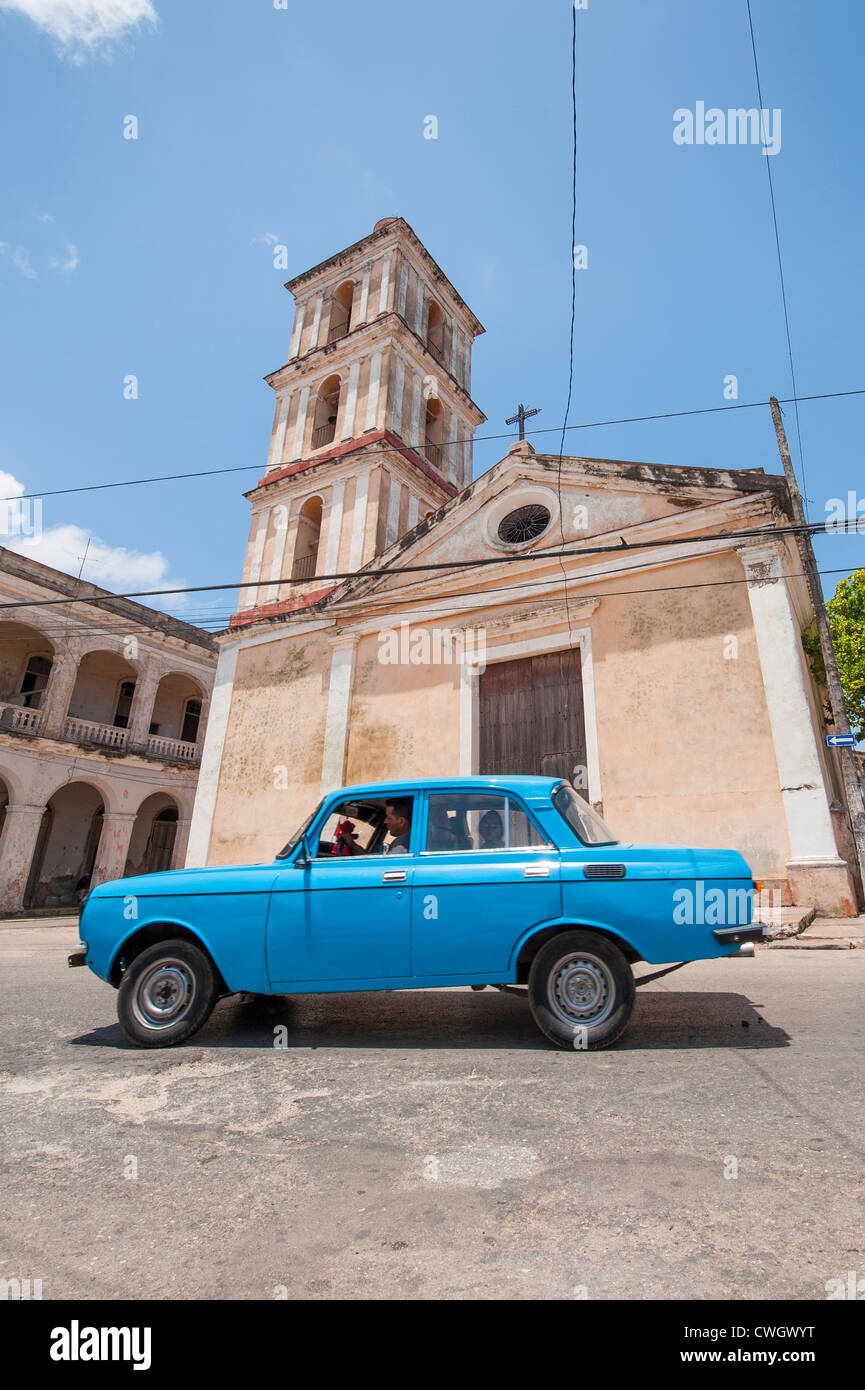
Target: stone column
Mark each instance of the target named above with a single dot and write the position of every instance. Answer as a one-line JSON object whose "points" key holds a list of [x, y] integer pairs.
{"points": [[459, 450], [398, 380], [113, 846], [297, 331], [202, 720], [403, 288], [211, 757], [277, 444], [350, 401], [334, 529], [393, 507], [181, 840], [416, 440], [818, 876], [17, 843], [336, 723], [419, 307], [300, 425], [58, 693], [138, 729], [249, 595], [358, 522], [364, 297], [373, 392], [384, 291], [316, 322], [449, 434], [281, 512]]}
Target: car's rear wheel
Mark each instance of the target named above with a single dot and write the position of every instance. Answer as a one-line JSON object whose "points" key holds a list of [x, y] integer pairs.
{"points": [[581, 990], [166, 994]]}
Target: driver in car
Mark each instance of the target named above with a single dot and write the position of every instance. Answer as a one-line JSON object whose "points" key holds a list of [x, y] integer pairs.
{"points": [[397, 815]]}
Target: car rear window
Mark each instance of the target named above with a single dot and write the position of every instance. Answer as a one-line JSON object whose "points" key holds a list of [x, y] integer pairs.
{"points": [[585, 823]]}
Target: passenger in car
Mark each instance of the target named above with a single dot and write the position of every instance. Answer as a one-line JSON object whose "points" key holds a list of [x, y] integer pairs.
{"points": [[441, 834], [491, 831]]}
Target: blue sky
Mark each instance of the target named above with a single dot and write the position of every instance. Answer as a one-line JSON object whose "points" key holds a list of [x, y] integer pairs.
{"points": [[151, 257]]}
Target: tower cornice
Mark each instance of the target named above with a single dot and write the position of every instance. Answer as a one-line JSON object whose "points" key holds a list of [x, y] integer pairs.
{"points": [[347, 347], [388, 232], [392, 441]]}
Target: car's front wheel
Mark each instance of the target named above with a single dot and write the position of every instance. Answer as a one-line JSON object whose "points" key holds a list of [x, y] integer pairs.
{"points": [[581, 990], [166, 994]]}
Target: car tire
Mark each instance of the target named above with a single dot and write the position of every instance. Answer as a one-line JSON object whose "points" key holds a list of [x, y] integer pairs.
{"points": [[166, 994], [581, 990]]}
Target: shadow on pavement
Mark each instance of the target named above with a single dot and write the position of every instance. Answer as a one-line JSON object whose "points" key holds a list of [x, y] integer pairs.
{"points": [[441, 1019]]}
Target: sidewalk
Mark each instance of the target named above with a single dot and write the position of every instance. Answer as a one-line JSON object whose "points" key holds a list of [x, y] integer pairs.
{"points": [[826, 934], [68, 920]]}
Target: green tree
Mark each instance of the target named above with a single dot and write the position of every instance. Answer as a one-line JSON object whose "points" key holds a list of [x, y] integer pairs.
{"points": [[846, 609]]}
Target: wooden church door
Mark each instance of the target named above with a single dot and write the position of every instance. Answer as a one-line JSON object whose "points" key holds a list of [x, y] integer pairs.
{"points": [[531, 717]]}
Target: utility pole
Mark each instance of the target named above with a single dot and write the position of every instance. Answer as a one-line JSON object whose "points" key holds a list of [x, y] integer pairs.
{"points": [[852, 786]]}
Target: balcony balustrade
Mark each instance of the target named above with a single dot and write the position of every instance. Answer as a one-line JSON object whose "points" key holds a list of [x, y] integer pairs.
{"points": [[435, 453], [89, 731], [175, 749], [304, 567], [323, 434], [17, 718], [437, 348]]}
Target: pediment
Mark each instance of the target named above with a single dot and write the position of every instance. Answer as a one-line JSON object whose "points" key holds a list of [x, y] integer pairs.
{"points": [[598, 501]]}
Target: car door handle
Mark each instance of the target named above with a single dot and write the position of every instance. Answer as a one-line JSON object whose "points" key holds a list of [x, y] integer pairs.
{"points": [[537, 871], [394, 876]]}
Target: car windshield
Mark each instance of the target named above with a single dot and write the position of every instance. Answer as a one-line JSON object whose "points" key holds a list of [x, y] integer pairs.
{"points": [[298, 834], [585, 822]]}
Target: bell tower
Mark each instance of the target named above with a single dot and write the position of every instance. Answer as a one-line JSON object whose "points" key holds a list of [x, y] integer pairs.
{"points": [[374, 419]]}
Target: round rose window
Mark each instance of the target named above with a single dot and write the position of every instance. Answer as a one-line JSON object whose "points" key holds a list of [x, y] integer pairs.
{"points": [[524, 524]]}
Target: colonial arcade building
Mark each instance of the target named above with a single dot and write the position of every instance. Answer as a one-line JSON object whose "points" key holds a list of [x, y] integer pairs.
{"points": [[669, 682], [103, 708]]}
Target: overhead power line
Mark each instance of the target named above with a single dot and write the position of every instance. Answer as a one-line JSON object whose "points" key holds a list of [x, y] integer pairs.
{"points": [[417, 448], [768, 159], [754, 533], [573, 264], [447, 608]]}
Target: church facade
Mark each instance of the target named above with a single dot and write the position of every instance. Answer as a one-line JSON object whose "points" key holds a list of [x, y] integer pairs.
{"points": [[609, 622]]}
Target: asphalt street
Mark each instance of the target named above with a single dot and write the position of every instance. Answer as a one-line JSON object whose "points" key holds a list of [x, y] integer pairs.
{"points": [[432, 1145]]}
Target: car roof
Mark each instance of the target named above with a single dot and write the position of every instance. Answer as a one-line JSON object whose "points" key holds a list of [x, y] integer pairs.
{"points": [[527, 786]]}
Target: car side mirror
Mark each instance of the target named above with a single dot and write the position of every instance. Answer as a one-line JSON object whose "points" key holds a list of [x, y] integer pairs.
{"points": [[303, 860]]}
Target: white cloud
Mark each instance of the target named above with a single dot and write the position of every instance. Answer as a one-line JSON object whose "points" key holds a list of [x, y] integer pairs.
{"points": [[69, 263], [63, 547], [45, 217], [9, 485], [21, 259], [83, 26], [111, 566], [269, 237]]}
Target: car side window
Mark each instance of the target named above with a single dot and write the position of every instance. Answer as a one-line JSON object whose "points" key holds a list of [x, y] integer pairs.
{"points": [[462, 821], [379, 826]]}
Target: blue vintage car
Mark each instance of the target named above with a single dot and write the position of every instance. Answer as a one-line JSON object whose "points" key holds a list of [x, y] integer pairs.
{"points": [[477, 881]]}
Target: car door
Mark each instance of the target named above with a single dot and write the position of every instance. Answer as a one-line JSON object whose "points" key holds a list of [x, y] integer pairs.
{"points": [[341, 920], [473, 898]]}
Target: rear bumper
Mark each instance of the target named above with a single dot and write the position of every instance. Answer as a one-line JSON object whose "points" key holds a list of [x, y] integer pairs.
{"points": [[78, 957], [733, 936]]}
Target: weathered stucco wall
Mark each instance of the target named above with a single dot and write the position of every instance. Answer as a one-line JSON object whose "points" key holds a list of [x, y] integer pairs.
{"points": [[686, 752], [271, 766], [404, 718], [685, 744]]}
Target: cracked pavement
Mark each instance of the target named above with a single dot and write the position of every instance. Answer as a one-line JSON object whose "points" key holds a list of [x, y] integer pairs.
{"points": [[431, 1145]]}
